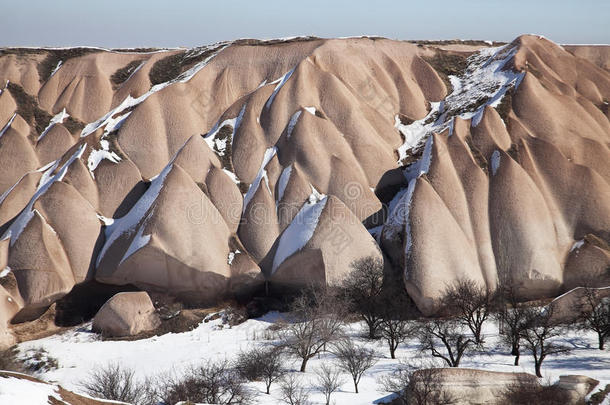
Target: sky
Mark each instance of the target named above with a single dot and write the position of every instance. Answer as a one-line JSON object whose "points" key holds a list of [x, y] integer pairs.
{"points": [[153, 23]]}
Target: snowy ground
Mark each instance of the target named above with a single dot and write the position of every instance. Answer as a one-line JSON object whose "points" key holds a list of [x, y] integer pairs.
{"points": [[79, 351]]}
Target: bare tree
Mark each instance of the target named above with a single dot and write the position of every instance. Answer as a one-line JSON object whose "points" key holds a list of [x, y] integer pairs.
{"points": [[214, 383], [261, 363], [418, 385], [293, 392], [395, 325], [511, 316], [114, 382], [447, 334], [594, 314], [540, 335], [354, 359], [363, 288], [328, 380], [471, 303], [396, 331], [319, 319]]}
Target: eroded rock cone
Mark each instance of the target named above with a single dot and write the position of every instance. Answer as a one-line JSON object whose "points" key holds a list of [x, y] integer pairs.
{"points": [[188, 180]]}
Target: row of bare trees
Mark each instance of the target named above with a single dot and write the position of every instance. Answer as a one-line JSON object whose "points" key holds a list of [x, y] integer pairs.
{"points": [[465, 308], [317, 329], [317, 326]]}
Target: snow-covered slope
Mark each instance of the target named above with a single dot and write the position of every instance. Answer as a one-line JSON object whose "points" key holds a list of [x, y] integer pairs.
{"points": [[215, 341]]}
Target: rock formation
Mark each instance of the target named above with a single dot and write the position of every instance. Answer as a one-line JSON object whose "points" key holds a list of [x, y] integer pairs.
{"points": [[470, 386], [126, 314], [205, 173]]}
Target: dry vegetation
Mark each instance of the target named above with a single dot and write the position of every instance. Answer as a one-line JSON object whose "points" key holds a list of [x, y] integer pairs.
{"points": [[36, 117], [506, 105], [121, 75], [172, 66], [476, 153], [447, 64], [54, 56], [28, 109]]}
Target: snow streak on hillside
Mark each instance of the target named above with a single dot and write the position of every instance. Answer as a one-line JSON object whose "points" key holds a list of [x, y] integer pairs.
{"points": [[484, 82]]}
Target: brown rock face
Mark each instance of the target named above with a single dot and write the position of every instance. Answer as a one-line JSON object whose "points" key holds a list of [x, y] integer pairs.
{"points": [[126, 314], [225, 167]]}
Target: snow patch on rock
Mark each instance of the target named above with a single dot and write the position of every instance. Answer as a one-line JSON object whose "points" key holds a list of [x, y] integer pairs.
{"points": [[577, 245], [292, 123], [262, 174], [220, 145], [315, 195], [8, 125], [311, 110], [97, 155], [137, 243], [131, 102], [300, 230], [57, 119], [232, 255], [283, 182], [128, 223], [484, 83], [46, 181], [59, 64], [5, 272], [495, 161], [105, 220], [232, 176], [280, 82], [415, 132]]}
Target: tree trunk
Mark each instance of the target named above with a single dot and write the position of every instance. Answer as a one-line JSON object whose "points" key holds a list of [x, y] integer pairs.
{"points": [[538, 373], [372, 331], [601, 341], [356, 386], [304, 365], [517, 359], [477, 336], [268, 386], [392, 351]]}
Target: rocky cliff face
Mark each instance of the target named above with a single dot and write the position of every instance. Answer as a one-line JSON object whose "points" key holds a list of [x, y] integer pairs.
{"points": [[205, 172]]}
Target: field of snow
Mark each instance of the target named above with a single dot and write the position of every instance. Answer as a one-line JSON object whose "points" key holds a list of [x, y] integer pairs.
{"points": [[78, 351]]}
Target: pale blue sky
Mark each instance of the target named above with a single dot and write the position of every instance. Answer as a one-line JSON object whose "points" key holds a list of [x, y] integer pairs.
{"points": [[194, 22]]}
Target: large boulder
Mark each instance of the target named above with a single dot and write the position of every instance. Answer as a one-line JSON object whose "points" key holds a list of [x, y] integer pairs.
{"points": [[470, 386], [567, 307], [126, 314], [577, 386]]}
